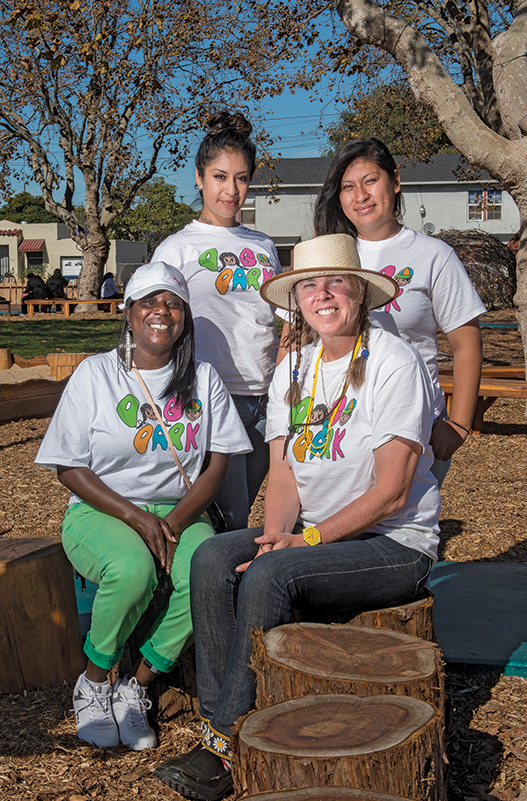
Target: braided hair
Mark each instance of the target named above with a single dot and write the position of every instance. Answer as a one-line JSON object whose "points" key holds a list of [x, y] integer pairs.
{"points": [[303, 334]]}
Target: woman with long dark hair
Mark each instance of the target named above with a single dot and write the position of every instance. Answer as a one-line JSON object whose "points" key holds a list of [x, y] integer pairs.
{"points": [[225, 264], [362, 197], [131, 511]]}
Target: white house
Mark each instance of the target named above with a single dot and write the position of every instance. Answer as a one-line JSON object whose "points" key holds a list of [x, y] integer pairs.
{"points": [[435, 199]]}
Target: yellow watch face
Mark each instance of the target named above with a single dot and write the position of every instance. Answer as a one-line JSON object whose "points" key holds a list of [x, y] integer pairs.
{"points": [[311, 535]]}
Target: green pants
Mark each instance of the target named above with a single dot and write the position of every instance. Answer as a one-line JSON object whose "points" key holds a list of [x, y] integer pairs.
{"points": [[109, 553]]}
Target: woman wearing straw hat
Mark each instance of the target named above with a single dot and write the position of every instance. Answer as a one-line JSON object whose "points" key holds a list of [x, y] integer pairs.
{"points": [[351, 510]]}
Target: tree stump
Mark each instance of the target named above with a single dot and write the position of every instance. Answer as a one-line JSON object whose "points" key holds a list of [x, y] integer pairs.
{"points": [[415, 619], [384, 744], [40, 639], [325, 794], [300, 659]]}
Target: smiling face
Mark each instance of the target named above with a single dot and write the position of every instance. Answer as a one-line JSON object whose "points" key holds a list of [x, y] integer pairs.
{"points": [[367, 197], [331, 304], [157, 322], [224, 182]]}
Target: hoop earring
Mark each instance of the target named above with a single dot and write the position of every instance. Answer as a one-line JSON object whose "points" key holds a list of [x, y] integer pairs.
{"points": [[129, 345]]}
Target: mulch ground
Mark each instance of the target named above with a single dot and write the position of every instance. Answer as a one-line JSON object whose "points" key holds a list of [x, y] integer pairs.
{"points": [[483, 519]]}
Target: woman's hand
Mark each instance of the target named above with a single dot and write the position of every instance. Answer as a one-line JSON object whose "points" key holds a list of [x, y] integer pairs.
{"points": [[273, 542], [446, 439], [157, 534]]}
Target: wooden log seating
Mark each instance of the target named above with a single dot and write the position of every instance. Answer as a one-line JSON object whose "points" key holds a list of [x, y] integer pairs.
{"points": [[325, 794], [353, 707], [68, 303], [388, 744], [496, 382], [302, 659], [40, 638]]}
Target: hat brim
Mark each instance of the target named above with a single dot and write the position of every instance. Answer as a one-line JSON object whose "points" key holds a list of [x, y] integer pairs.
{"points": [[278, 290]]}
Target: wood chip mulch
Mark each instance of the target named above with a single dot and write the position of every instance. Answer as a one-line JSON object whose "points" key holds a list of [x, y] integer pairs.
{"points": [[483, 518]]}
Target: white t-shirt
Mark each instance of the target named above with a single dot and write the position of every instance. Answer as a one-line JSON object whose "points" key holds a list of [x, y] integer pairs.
{"points": [[338, 465], [435, 292], [104, 422], [224, 269]]}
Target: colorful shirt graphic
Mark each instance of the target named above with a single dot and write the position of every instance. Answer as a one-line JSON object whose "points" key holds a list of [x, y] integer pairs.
{"points": [[104, 422], [225, 268]]}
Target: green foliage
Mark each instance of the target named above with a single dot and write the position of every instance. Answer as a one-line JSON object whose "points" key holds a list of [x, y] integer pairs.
{"points": [[25, 207], [30, 338], [155, 214], [392, 114]]}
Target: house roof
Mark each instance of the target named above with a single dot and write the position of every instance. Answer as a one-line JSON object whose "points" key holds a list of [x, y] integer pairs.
{"points": [[311, 172], [30, 245]]}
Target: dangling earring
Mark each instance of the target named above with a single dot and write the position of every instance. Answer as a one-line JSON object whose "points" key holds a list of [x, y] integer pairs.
{"points": [[129, 345]]}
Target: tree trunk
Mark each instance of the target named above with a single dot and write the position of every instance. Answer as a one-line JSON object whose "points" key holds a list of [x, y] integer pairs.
{"points": [[300, 659], [95, 253], [387, 744]]}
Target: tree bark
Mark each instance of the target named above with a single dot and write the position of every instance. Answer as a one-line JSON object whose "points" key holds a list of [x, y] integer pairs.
{"points": [[301, 659], [415, 619], [388, 745], [326, 794]]}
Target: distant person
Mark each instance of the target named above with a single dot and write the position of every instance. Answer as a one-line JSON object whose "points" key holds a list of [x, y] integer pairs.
{"points": [[362, 197], [56, 284], [35, 289], [109, 289]]}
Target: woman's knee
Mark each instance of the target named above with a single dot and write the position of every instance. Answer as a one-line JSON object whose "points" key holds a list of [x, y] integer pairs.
{"points": [[133, 574]]}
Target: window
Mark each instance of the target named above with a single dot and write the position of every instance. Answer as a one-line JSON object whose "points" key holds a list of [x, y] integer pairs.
{"points": [[484, 204], [248, 217], [4, 259]]}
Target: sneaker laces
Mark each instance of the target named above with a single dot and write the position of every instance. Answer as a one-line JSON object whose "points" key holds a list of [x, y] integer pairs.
{"points": [[97, 704], [138, 704]]}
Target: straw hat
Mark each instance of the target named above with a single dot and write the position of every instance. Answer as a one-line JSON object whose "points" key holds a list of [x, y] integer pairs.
{"points": [[332, 254]]}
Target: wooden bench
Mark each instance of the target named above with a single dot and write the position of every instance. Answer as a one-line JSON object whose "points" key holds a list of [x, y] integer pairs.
{"points": [[491, 387], [67, 303]]}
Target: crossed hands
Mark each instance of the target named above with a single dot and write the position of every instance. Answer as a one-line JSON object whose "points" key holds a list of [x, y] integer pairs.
{"points": [[158, 535], [273, 542]]}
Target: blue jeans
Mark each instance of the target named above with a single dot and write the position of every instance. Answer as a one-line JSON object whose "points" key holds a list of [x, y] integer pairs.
{"points": [[343, 578], [246, 470]]}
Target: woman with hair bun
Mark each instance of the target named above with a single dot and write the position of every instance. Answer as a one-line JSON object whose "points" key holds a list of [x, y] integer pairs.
{"points": [[225, 264]]}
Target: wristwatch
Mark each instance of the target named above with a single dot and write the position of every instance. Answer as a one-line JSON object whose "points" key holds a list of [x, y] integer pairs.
{"points": [[311, 536]]}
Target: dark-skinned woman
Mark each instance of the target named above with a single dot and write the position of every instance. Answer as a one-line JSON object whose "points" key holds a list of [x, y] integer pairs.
{"points": [[130, 508]]}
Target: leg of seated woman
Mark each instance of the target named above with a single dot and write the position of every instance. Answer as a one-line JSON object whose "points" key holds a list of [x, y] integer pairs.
{"points": [[109, 553], [344, 577], [172, 632]]}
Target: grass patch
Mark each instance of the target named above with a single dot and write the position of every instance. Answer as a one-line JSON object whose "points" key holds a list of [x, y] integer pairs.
{"points": [[40, 337]]}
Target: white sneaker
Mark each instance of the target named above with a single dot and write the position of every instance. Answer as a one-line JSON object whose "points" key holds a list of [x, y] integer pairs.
{"points": [[130, 704], [92, 704]]}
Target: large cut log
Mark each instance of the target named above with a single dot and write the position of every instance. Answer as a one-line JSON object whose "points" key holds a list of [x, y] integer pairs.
{"points": [[325, 794], [385, 744], [415, 619], [40, 639], [6, 360], [300, 659]]}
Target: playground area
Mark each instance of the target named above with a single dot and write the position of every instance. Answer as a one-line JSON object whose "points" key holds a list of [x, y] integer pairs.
{"points": [[484, 507]]}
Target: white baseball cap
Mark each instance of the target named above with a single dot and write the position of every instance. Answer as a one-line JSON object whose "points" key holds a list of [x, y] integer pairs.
{"points": [[155, 277]]}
